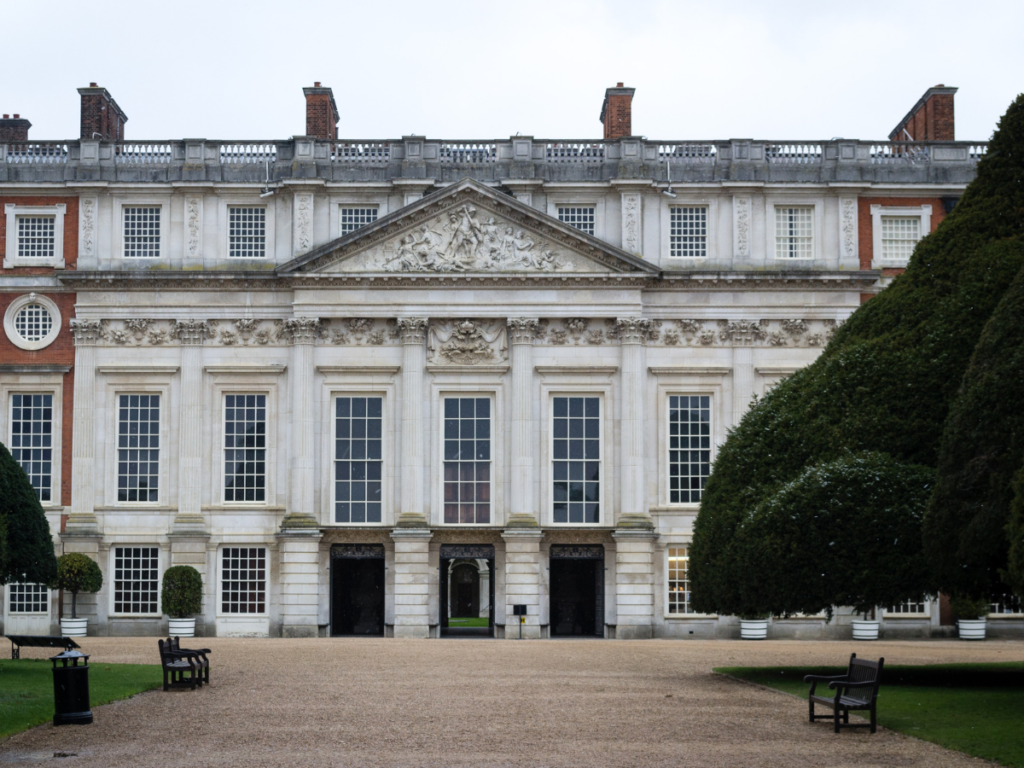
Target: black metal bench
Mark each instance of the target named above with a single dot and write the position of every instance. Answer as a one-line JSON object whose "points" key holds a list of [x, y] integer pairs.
{"points": [[176, 664], [39, 641], [199, 656], [856, 690]]}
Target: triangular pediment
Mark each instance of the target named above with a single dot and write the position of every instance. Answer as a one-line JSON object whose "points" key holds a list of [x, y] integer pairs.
{"points": [[467, 228]]}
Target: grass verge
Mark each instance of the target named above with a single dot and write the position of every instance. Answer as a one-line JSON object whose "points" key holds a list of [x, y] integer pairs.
{"points": [[973, 708], [469, 622], [26, 689]]}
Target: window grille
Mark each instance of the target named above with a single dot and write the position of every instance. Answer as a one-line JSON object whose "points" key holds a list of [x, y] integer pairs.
{"points": [[679, 580], [467, 460], [35, 237], [688, 232], [354, 218], [142, 232], [29, 598], [1007, 605], [689, 447], [32, 439], [244, 580], [245, 447], [899, 237], [916, 607], [794, 232], [357, 459], [33, 322], [247, 232], [580, 217], [576, 467], [138, 448], [136, 579]]}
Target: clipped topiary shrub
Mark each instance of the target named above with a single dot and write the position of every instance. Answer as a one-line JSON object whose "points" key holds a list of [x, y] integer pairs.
{"points": [[26, 547], [182, 593], [1014, 573], [78, 573], [982, 448], [887, 379]]}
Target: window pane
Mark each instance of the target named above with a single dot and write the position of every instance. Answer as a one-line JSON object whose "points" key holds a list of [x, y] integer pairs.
{"points": [[467, 457], [579, 216], [353, 218], [136, 576], [794, 232], [357, 462], [29, 598], [243, 580], [688, 232], [689, 422], [141, 232], [35, 237], [899, 237], [245, 447], [32, 439], [679, 580], [247, 232], [138, 448], [576, 455]]}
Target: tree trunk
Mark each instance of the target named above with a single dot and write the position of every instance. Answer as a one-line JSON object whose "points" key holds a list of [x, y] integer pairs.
{"points": [[74, 605]]}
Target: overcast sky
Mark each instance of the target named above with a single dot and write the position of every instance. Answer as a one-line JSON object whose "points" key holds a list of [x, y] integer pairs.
{"points": [[482, 70]]}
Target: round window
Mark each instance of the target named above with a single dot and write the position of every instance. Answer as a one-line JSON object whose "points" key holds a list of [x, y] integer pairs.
{"points": [[32, 322]]}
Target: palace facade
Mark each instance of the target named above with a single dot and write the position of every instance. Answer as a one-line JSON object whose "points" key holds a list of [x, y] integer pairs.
{"points": [[417, 387]]}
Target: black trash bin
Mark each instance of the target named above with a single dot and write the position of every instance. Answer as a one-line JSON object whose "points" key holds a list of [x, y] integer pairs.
{"points": [[71, 689]]}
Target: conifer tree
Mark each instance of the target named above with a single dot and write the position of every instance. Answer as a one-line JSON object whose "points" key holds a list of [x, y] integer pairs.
{"points": [[26, 548]]}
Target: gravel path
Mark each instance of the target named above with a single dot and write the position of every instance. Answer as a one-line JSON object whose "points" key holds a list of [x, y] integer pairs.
{"points": [[369, 702]]}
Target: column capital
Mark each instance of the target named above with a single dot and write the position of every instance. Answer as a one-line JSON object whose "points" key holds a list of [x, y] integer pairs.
{"points": [[86, 332], [523, 330], [633, 330], [302, 330], [412, 330], [192, 331]]}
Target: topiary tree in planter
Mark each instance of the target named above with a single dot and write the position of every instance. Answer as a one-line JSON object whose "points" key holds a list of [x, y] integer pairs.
{"points": [[182, 593], [78, 573]]}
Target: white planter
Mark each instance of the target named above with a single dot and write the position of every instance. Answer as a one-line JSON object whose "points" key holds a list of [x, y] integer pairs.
{"points": [[756, 629], [74, 627], [865, 630], [181, 627], [971, 629]]}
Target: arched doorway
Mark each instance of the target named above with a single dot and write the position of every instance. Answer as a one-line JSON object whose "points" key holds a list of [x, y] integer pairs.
{"points": [[467, 590]]}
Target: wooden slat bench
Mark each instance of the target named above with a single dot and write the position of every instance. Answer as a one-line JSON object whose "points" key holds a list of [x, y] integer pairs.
{"points": [[175, 666], [39, 641], [856, 690], [199, 656]]}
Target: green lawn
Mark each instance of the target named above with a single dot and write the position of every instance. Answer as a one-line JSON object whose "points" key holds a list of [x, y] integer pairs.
{"points": [[973, 708], [470, 622], [26, 689]]}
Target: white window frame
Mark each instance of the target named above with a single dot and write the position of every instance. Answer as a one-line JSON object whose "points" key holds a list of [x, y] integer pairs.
{"points": [[219, 612], [608, 504], [668, 446], [270, 244], [380, 202], [160, 568], [385, 453], [163, 202], [242, 392], [13, 211], [12, 312], [578, 199], [9, 432], [162, 448], [927, 600], [1017, 615], [923, 212], [772, 203], [9, 607], [439, 421], [37, 384], [683, 200]]}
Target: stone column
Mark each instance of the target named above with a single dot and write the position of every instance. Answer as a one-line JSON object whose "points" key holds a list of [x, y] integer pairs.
{"points": [[634, 537], [522, 332], [413, 331], [522, 580], [189, 520], [413, 575], [82, 520], [299, 552], [742, 334]]}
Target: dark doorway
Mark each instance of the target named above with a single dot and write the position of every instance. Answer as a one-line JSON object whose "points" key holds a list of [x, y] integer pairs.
{"points": [[357, 589], [577, 591], [466, 582]]}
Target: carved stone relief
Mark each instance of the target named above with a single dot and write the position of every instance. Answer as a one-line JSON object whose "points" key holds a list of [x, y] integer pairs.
{"points": [[303, 233], [193, 227], [631, 222], [741, 215], [87, 246], [467, 342], [848, 227]]}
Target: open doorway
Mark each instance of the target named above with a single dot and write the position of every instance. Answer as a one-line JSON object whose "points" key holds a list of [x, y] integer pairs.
{"points": [[577, 591], [467, 590], [357, 589]]}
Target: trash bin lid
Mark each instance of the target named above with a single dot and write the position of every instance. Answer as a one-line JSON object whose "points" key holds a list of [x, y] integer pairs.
{"points": [[69, 655]]}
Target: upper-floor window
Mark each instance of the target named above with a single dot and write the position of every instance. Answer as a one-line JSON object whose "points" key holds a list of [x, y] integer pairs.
{"points": [[141, 231], [245, 448], [35, 237], [358, 463], [243, 585], [899, 237], [32, 439], [794, 232], [247, 232], [29, 598], [467, 460], [688, 232], [354, 217], [689, 447], [576, 459], [678, 572], [138, 448], [579, 216], [136, 579]]}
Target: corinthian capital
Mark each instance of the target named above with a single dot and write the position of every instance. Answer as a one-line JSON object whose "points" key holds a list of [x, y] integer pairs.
{"points": [[412, 330], [633, 330], [302, 330], [86, 332], [192, 331], [523, 330]]}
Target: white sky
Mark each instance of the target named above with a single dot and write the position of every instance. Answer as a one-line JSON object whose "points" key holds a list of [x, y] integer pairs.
{"points": [[484, 70]]}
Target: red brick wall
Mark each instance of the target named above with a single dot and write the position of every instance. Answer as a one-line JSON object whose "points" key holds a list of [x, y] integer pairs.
{"points": [[865, 235], [70, 232]]}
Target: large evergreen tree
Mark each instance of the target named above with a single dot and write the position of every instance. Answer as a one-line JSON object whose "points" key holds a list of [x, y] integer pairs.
{"points": [[885, 382], [26, 549]]}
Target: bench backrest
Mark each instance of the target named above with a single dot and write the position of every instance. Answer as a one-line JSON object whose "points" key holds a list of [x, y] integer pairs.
{"points": [[868, 673], [165, 649]]}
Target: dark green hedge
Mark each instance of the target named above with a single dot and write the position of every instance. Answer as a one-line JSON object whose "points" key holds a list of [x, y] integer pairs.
{"points": [[26, 548], [1014, 575], [182, 592], [885, 382]]}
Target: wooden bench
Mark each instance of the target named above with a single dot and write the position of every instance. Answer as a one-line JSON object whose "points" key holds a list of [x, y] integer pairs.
{"points": [[202, 662], [856, 690], [39, 641], [176, 664]]}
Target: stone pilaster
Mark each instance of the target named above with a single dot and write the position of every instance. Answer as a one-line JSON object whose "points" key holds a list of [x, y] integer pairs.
{"points": [[522, 581], [634, 583], [192, 334], [413, 331], [82, 519], [522, 332], [413, 575], [299, 553], [301, 515], [632, 222]]}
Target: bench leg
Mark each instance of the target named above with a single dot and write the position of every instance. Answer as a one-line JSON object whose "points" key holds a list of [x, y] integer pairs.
{"points": [[810, 707], [873, 721], [846, 716], [165, 678], [836, 714]]}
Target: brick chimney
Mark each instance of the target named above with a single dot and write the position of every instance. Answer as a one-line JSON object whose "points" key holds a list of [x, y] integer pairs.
{"points": [[931, 119], [321, 113], [616, 112], [101, 115], [14, 129]]}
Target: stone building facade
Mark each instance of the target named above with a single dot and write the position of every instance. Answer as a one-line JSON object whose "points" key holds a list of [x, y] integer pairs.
{"points": [[417, 387]]}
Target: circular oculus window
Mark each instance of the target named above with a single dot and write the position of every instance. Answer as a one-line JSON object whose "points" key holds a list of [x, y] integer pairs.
{"points": [[32, 322]]}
